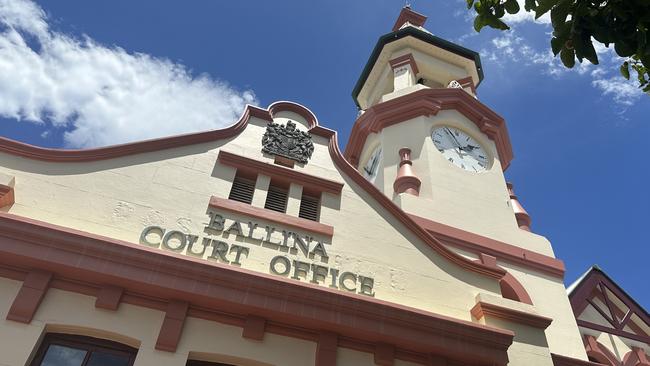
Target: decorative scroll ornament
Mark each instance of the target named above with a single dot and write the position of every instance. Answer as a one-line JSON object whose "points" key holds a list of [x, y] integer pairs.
{"points": [[454, 85], [287, 141]]}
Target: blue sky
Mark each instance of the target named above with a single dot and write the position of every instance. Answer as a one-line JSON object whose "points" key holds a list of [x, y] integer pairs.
{"points": [[78, 73]]}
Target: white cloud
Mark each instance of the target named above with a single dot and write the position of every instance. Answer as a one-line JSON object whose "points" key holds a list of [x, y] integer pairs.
{"points": [[512, 48], [102, 95], [623, 92]]}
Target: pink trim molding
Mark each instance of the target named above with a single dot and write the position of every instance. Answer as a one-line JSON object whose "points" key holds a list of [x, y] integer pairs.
{"points": [[442, 98], [326, 349], [109, 297], [467, 82], [480, 244], [305, 113], [406, 181], [514, 290], [403, 61], [110, 152], [29, 296], [270, 215], [254, 328], [279, 172], [172, 326], [636, 357], [482, 309], [7, 197], [384, 355], [408, 15], [523, 218], [84, 262], [559, 360], [599, 352], [428, 102]]}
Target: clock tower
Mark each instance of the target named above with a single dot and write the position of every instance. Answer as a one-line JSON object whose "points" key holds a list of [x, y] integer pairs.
{"points": [[425, 140]]}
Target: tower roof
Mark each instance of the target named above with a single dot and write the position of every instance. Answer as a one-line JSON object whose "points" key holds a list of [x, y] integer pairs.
{"points": [[409, 24]]}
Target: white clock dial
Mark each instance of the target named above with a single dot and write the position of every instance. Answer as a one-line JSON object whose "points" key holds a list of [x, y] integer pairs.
{"points": [[460, 149], [371, 167]]}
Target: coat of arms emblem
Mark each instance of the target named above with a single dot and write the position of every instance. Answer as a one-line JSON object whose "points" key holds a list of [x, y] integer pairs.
{"points": [[287, 141]]}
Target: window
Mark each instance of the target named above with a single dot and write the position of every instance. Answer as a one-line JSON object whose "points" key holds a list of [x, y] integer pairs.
{"points": [[242, 189], [276, 198], [309, 206], [72, 350]]}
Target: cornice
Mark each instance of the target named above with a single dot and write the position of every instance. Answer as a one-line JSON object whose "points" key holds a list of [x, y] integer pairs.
{"points": [[559, 360], [273, 216], [422, 36], [217, 291], [7, 197], [428, 102], [482, 309], [480, 244], [110, 152]]}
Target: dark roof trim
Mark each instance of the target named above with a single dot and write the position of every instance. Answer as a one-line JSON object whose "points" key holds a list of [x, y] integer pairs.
{"points": [[423, 36], [596, 268]]}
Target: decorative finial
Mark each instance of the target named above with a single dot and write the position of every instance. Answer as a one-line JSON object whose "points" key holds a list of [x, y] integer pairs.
{"points": [[523, 218], [406, 181], [409, 16]]}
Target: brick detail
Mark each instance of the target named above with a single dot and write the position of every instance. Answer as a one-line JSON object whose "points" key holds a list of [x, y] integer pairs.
{"points": [[109, 297], [384, 355], [326, 349], [172, 326], [29, 296], [254, 328], [436, 361]]}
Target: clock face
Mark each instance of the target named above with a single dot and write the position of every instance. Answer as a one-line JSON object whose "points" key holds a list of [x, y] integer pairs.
{"points": [[371, 167], [460, 149]]}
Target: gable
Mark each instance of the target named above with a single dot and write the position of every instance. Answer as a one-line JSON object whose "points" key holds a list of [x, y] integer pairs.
{"points": [[169, 195], [600, 304]]}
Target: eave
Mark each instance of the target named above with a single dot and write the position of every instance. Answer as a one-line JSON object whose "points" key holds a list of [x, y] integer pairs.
{"points": [[423, 36]]}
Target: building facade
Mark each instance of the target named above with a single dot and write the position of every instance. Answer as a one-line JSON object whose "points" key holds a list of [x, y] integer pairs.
{"points": [[265, 244]]}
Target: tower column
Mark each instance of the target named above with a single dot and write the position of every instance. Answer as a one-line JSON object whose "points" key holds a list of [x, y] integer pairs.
{"points": [[405, 71]]}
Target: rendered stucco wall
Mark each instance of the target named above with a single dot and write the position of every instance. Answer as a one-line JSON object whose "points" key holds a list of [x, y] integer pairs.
{"points": [[171, 188]]}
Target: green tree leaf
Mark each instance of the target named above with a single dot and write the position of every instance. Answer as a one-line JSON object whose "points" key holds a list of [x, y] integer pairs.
{"points": [[530, 5], [544, 6], [560, 12], [512, 6], [479, 23], [556, 45], [568, 57], [625, 70], [578, 23]]}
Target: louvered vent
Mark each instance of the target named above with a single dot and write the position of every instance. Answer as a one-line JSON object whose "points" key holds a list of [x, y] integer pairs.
{"points": [[276, 199], [242, 190], [309, 208]]}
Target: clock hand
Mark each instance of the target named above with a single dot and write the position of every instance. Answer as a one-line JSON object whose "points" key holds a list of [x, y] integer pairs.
{"points": [[453, 137]]}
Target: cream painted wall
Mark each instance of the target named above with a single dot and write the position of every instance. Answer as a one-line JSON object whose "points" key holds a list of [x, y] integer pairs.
{"points": [[171, 188], [434, 64], [619, 346], [475, 202], [549, 297], [67, 312]]}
